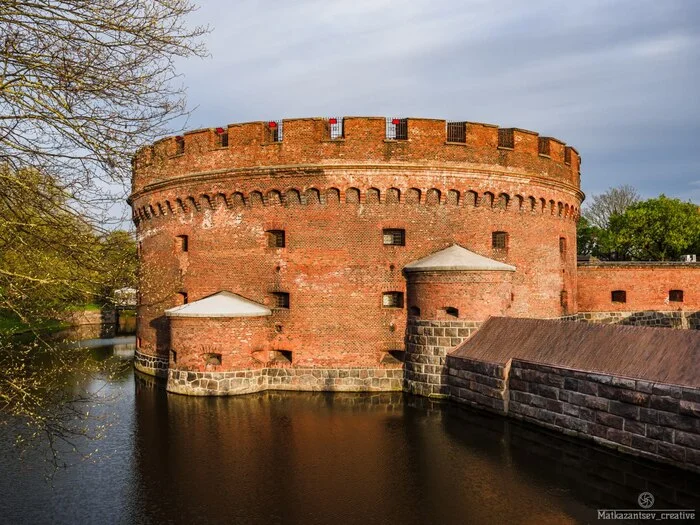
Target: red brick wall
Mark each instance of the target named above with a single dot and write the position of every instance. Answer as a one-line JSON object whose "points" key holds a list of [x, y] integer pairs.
{"points": [[476, 295], [335, 266], [647, 286]]}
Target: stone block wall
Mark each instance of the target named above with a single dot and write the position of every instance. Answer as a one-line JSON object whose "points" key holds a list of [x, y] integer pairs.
{"points": [[655, 420], [427, 344], [288, 378], [151, 364], [659, 319], [478, 383]]}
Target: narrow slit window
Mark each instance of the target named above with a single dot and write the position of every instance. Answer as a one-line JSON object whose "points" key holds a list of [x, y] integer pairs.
{"points": [[394, 237], [334, 128], [499, 240], [457, 132], [173, 356], [182, 297], [619, 296], [392, 299], [182, 243], [562, 246], [506, 138], [222, 137], [281, 300], [179, 145], [675, 296], [563, 298], [543, 146], [567, 155], [397, 129], [276, 239], [273, 131]]}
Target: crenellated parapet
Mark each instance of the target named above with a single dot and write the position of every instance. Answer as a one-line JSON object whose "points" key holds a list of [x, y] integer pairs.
{"points": [[258, 147]]}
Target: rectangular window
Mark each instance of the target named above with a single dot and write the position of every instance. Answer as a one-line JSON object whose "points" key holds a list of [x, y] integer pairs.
{"points": [[334, 128], [276, 239], [273, 131], [543, 146], [281, 300], [173, 356], [506, 138], [499, 240], [619, 296], [567, 155], [394, 237], [179, 145], [222, 137], [675, 296], [562, 246], [182, 243], [392, 299], [182, 298], [212, 360], [457, 132], [397, 128]]}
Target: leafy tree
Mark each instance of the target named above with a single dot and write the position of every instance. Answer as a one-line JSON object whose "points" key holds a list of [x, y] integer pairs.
{"points": [[658, 229], [613, 202], [82, 86]]}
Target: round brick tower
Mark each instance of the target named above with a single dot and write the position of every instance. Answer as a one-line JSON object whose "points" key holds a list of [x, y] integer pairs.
{"points": [[315, 219]]}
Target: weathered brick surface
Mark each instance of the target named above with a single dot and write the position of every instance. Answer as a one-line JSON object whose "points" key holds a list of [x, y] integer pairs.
{"points": [[333, 198], [647, 286]]}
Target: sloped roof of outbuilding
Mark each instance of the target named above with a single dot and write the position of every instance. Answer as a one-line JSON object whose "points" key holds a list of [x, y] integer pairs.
{"points": [[665, 355], [456, 258], [220, 304]]}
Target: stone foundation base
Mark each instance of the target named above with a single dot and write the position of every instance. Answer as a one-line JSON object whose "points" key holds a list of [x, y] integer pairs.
{"points": [[308, 379], [151, 364]]}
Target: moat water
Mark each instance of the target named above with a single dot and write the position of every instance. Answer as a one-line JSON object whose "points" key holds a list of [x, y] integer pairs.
{"points": [[321, 458]]}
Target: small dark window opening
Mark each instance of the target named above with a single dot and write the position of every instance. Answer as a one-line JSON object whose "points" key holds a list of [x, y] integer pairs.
{"points": [[506, 138], [222, 137], [457, 132], [392, 299], [567, 155], [394, 237], [138, 342], [179, 145], [173, 356], [452, 311], [183, 244], [282, 357], [543, 146], [563, 298], [619, 296], [276, 239], [212, 360], [273, 131], [182, 297], [139, 249], [414, 310], [334, 128], [562, 246], [675, 296], [281, 299], [499, 240], [397, 129]]}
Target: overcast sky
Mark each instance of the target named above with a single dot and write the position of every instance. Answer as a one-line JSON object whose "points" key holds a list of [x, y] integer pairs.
{"points": [[618, 80]]}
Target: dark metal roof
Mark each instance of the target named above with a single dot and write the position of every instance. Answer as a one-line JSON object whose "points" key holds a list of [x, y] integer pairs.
{"points": [[663, 355]]}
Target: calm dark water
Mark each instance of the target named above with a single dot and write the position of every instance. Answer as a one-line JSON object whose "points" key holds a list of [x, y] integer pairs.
{"points": [[318, 458]]}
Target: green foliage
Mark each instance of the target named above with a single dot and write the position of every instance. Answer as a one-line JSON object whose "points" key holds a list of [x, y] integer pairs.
{"points": [[657, 229]]}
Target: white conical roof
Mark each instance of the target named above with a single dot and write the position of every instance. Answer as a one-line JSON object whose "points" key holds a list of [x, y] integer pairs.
{"points": [[456, 258], [220, 304]]}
